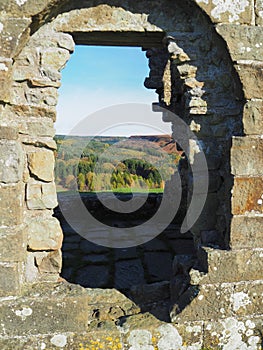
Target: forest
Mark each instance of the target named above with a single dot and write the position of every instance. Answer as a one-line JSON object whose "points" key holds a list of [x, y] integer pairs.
{"points": [[119, 164]]}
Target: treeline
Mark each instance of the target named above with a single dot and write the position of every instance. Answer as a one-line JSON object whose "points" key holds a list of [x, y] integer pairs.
{"points": [[85, 176], [82, 164]]}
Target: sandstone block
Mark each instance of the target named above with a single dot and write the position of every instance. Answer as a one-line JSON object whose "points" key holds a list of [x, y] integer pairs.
{"points": [[57, 307], [204, 303], [8, 133], [37, 127], [224, 12], [26, 111], [237, 331], [43, 96], [12, 245], [244, 42], [5, 78], [54, 58], [41, 164], [9, 279], [11, 204], [247, 156], [14, 31], [41, 195], [252, 117], [251, 76], [44, 234], [11, 161], [25, 8], [246, 232], [65, 41], [246, 265], [247, 195], [49, 262], [247, 298], [259, 12]]}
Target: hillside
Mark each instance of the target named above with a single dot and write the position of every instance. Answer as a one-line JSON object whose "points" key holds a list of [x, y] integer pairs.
{"points": [[104, 163]]}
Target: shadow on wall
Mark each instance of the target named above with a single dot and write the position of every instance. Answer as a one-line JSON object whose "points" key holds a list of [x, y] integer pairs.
{"points": [[142, 272]]}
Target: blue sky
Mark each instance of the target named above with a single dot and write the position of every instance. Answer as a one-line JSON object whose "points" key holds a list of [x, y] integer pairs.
{"points": [[97, 77]]}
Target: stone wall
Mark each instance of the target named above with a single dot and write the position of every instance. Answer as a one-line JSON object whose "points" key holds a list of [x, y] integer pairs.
{"points": [[205, 60]]}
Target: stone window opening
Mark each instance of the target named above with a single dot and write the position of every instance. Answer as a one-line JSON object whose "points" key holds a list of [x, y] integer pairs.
{"points": [[215, 87], [141, 272]]}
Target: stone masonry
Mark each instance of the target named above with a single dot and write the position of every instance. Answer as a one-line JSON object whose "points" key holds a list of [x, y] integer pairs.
{"points": [[205, 60]]}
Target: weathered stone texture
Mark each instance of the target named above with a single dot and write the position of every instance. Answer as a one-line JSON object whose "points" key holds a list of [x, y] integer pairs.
{"points": [[13, 31], [252, 118], [45, 234], [11, 161], [11, 204], [259, 12], [244, 42], [8, 133], [12, 245], [246, 265], [251, 76], [103, 18], [247, 195], [247, 156], [10, 279], [201, 86], [246, 232], [49, 262], [41, 195], [235, 11], [5, 78], [41, 164]]}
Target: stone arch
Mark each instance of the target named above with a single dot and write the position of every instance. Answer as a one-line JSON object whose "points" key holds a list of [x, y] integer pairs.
{"points": [[30, 109]]}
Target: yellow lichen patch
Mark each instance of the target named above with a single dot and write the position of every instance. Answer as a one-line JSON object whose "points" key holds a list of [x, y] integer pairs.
{"points": [[107, 343]]}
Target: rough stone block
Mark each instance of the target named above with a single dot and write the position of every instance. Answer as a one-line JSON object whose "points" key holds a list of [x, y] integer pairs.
{"points": [[247, 156], [41, 195], [49, 262], [11, 204], [10, 277], [54, 58], [11, 161], [233, 332], [251, 76], [5, 78], [24, 8], [246, 232], [44, 234], [247, 298], [46, 308], [259, 12], [246, 265], [204, 303], [247, 195], [26, 111], [228, 12], [244, 42], [41, 164], [12, 245], [38, 127], [8, 133], [252, 117], [13, 33]]}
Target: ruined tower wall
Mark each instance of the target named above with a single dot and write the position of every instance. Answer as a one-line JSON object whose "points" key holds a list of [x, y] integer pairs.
{"points": [[214, 83]]}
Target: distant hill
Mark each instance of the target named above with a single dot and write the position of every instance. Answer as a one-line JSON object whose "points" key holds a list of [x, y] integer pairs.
{"points": [[142, 156]]}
